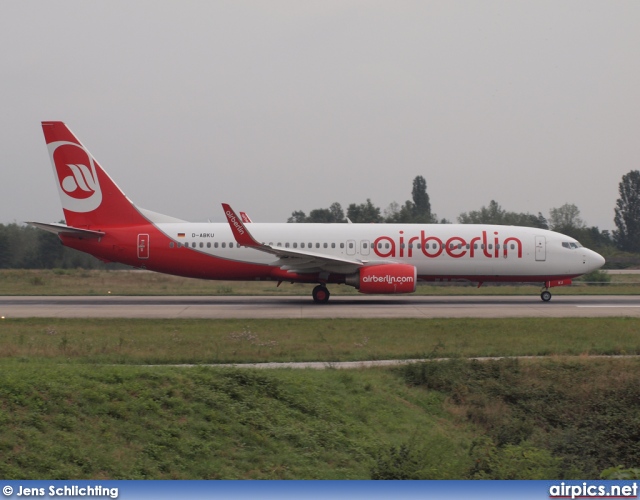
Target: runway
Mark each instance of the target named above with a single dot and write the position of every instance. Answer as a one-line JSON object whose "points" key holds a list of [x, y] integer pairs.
{"points": [[414, 306]]}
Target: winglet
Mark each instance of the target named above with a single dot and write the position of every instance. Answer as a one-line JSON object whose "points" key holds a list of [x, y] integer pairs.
{"points": [[240, 232]]}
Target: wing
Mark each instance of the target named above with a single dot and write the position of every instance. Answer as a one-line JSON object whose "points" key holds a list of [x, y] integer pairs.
{"points": [[298, 261]]}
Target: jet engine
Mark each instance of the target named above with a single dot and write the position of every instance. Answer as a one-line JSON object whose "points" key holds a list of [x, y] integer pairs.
{"points": [[385, 278]]}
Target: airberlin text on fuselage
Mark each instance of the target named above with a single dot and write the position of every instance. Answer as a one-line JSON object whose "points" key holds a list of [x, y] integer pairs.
{"points": [[455, 246]]}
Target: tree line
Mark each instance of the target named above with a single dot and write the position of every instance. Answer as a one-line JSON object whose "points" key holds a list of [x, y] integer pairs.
{"points": [[29, 248], [621, 247], [25, 247], [417, 210]]}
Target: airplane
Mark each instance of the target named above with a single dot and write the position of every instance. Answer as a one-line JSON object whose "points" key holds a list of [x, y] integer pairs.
{"points": [[374, 258]]}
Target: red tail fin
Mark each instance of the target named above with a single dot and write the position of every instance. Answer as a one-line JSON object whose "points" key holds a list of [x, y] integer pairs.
{"points": [[90, 198]]}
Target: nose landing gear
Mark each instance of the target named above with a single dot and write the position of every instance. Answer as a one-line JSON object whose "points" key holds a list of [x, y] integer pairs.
{"points": [[546, 294]]}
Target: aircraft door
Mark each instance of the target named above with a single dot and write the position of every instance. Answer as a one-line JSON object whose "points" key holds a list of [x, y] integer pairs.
{"points": [[143, 246], [541, 248]]}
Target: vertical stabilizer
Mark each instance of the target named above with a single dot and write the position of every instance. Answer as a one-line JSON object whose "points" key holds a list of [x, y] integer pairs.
{"points": [[90, 198]]}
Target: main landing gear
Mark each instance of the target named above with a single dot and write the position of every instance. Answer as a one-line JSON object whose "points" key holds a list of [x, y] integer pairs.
{"points": [[321, 294]]}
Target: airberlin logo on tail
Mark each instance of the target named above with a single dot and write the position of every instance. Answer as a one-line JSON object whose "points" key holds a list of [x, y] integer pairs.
{"points": [[77, 177], [81, 184]]}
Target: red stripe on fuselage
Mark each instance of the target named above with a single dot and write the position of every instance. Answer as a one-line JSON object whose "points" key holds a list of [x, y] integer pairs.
{"points": [[120, 245]]}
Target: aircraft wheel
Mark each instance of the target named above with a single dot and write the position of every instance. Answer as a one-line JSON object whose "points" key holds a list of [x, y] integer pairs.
{"points": [[546, 295], [321, 294]]}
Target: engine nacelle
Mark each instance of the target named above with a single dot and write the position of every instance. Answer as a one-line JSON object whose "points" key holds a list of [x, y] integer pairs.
{"points": [[385, 278]]}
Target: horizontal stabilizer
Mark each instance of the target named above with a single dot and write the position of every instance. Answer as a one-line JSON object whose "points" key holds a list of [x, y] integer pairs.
{"points": [[65, 230]]}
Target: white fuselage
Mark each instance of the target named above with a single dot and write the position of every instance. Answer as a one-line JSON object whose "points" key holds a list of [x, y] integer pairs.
{"points": [[436, 250]]}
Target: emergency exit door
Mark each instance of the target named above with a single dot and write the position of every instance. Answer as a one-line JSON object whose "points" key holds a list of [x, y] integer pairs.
{"points": [[541, 248]]}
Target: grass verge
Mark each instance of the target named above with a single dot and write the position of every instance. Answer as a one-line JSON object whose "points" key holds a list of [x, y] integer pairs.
{"points": [[200, 341]]}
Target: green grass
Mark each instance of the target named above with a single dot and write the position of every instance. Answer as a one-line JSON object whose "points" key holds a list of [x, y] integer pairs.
{"points": [[555, 419], [144, 341], [92, 282], [576, 417], [77, 401], [164, 423]]}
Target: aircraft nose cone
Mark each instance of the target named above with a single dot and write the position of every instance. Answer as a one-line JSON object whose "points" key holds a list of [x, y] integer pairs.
{"points": [[596, 260]]}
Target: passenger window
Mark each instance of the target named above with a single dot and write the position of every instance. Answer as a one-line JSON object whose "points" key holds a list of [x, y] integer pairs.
{"points": [[171, 244], [325, 245], [286, 245], [364, 245], [201, 245], [224, 245], [208, 244], [215, 245], [341, 245], [350, 245], [295, 245], [333, 245], [230, 245], [193, 245]]}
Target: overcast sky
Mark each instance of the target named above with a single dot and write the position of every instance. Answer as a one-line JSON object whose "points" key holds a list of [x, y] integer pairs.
{"points": [[276, 106]]}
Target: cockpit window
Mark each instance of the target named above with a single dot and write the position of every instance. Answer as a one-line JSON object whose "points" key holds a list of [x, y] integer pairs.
{"points": [[571, 244]]}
